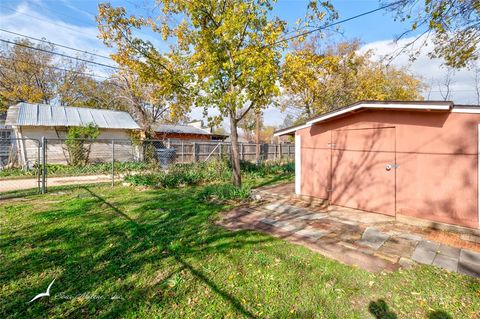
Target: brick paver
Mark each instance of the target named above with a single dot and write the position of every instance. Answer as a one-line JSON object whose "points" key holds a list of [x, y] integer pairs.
{"points": [[373, 238]]}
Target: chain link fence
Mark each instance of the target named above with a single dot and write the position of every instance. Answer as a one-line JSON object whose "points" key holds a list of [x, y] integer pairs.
{"points": [[36, 165], [19, 175]]}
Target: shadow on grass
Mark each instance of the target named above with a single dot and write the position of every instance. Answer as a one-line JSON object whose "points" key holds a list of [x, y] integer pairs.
{"points": [[439, 314], [274, 180], [380, 310], [100, 246]]}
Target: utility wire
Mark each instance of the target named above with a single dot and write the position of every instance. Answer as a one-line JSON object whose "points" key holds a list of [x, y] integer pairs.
{"points": [[56, 44], [60, 54], [116, 68], [334, 23], [52, 67]]}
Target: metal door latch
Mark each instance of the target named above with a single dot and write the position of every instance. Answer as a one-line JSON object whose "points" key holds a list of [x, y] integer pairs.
{"points": [[390, 166]]}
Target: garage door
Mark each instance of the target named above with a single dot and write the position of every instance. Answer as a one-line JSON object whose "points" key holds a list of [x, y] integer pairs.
{"points": [[363, 169]]}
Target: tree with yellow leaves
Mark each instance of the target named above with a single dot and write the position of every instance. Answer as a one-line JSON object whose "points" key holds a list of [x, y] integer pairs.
{"points": [[26, 75], [223, 55], [317, 81]]}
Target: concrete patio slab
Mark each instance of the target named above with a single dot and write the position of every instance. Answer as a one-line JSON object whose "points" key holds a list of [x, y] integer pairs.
{"points": [[398, 246], [428, 245], [373, 238], [412, 237], [269, 221], [314, 216], [363, 218], [312, 233], [446, 262], [467, 256], [469, 269], [283, 208], [423, 255], [449, 251]]}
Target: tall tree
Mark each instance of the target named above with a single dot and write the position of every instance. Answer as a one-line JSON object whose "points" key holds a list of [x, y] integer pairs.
{"points": [[39, 76], [453, 26], [316, 80], [27, 75], [224, 55]]}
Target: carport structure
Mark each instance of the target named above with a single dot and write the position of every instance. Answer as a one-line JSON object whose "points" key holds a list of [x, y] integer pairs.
{"points": [[412, 160]]}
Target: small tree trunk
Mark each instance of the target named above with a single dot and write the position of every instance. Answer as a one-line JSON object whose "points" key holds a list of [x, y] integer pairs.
{"points": [[236, 178], [257, 137]]}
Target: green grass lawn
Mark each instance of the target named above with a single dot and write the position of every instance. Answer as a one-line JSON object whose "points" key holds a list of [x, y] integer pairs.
{"points": [[135, 253]]}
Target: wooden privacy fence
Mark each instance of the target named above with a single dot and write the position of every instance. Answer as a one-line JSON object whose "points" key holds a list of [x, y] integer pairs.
{"points": [[197, 151]]}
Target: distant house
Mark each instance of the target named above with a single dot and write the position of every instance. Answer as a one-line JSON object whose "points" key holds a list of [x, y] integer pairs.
{"points": [[5, 142], [192, 131], [30, 122]]}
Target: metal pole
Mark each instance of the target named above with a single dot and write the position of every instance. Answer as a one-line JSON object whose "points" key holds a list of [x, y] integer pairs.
{"points": [[220, 150], [194, 152], [39, 173], [44, 163], [183, 153], [113, 162]]}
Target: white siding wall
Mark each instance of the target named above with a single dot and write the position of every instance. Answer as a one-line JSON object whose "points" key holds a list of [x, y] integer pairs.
{"points": [[100, 151]]}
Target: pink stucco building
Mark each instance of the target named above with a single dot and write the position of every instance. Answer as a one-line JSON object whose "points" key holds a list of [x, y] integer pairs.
{"points": [[415, 159]]}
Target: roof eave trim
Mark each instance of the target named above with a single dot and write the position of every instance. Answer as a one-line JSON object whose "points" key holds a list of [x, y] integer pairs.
{"points": [[409, 106], [466, 110], [291, 130]]}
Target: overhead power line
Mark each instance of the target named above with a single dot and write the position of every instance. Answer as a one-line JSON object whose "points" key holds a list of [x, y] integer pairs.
{"points": [[56, 44], [60, 54], [54, 67], [116, 68], [335, 23]]}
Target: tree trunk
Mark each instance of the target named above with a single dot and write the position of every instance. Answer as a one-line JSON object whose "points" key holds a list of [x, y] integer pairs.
{"points": [[236, 178], [257, 137]]}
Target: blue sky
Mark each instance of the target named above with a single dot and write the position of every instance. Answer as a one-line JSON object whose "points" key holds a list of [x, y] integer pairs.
{"points": [[71, 22]]}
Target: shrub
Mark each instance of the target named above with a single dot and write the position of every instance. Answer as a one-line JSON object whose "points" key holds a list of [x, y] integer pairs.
{"points": [[76, 139], [142, 180], [213, 171], [225, 192]]}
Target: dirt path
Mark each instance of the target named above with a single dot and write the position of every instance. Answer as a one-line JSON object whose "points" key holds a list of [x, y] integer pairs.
{"points": [[21, 184]]}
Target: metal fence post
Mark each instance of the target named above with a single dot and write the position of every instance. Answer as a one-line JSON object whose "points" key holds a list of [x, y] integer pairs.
{"points": [[183, 153], [194, 152], [220, 150], [113, 162], [44, 164]]}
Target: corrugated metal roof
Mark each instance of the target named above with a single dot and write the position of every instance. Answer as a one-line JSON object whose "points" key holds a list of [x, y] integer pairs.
{"points": [[180, 129], [26, 114]]}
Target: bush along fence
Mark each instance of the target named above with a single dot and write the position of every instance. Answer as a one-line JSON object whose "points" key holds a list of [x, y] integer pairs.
{"points": [[34, 164]]}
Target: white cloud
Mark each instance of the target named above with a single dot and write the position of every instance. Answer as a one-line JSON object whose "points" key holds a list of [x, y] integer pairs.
{"points": [[36, 20], [430, 70]]}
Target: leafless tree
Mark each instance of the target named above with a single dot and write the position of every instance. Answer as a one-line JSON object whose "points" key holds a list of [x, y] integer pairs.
{"points": [[476, 78], [445, 86]]}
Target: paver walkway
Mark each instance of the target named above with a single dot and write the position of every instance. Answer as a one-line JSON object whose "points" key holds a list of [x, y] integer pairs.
{"points": [[351, 237]]}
